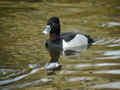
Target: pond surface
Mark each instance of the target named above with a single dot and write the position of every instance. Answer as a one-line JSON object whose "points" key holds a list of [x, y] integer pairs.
{"points": [[22, 50]]}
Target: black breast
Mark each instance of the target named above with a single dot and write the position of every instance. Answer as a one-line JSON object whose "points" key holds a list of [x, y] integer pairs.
{"points": [[54, 45]]}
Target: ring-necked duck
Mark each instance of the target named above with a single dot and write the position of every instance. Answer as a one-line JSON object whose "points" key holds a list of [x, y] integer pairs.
{"points": [[57, 43]]}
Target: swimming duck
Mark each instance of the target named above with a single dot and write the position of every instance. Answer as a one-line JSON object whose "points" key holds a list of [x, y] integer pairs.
{"points": [[57, 43]]}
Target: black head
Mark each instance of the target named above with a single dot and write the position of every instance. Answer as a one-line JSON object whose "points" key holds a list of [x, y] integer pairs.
{"points": [[53, 26], [54, 20]]}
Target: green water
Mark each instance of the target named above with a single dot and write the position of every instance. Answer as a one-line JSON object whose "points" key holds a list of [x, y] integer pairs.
{"points": [[22, 50]]}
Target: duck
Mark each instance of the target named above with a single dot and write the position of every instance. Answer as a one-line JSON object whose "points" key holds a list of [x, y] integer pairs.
{"points": [[65, 42]]}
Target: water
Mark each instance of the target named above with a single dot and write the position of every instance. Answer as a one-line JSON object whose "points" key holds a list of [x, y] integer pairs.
{"points": [[22, 50]]}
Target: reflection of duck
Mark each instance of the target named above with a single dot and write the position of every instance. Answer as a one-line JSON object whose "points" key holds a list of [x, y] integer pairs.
{"points": [[57, 42]]}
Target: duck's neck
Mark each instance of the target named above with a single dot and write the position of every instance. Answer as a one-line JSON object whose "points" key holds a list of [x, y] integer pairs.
{"points": [[53, 36]]}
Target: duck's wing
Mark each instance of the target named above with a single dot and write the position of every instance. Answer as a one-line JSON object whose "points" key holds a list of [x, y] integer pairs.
{"points": [[67, 36], [76, 41]]}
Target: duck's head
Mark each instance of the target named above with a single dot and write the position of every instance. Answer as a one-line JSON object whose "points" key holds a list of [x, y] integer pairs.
{"points": [[53, 27]]}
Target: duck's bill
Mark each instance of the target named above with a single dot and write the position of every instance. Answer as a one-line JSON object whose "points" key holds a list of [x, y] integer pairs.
{"points": [[46, 30]]}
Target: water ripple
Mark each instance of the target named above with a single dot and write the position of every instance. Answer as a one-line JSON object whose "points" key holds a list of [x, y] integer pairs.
{"points": [[32, 83], [81, 66], [114, 45], [109, 71], [109, 85], [110, 57], [19, 77], [112, 52], [79, 79]]}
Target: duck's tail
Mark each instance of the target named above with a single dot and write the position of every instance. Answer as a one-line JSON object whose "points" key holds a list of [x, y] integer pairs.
{"points": [[90, 40]]}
